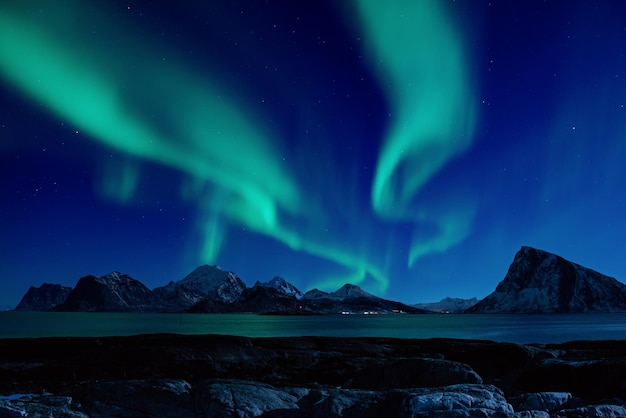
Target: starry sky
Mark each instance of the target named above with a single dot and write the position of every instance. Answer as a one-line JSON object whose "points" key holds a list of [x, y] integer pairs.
{"points": [[408, 147]]}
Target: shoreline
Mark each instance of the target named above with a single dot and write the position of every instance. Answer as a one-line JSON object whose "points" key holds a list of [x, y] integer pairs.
{"points": [[590, 372]]}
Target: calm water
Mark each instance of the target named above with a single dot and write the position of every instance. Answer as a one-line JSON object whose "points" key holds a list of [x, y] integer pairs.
{"points": [[511, 328]]}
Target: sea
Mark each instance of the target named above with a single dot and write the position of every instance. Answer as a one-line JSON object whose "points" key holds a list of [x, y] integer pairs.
{"points": [[518, 328]]}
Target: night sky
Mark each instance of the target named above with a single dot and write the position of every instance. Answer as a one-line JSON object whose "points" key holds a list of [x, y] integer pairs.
{"points": [[409, 147]]}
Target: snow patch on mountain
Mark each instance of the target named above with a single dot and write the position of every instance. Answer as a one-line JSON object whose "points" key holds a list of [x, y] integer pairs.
{"points": [[205, 282], [283, 286]]}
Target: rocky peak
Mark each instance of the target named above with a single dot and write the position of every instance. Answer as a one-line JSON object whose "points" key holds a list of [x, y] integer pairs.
{"points": [[114, 292], [315, 294], [43, 298], [541, 282], [205, 282], [284, 286], [352, 291]]}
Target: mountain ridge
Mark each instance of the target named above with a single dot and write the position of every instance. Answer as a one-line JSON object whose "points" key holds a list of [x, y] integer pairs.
{"points": [[536, 282], [211, 290]]}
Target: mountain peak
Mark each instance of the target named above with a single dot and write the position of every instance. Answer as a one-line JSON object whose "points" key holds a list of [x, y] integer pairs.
{"points": [[43, 298], [205, 282], [284, 286], [113, 292], [205, 272], [352, 291], [316, 294], [541, 282]]}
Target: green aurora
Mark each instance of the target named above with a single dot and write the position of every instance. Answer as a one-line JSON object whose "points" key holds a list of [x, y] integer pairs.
{"points": [[145, 100]]}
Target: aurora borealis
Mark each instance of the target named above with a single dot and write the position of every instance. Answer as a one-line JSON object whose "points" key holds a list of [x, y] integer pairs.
{"points": [[407, 147]]}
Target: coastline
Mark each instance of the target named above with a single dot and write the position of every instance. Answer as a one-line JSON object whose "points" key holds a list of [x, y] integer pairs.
{"points": [[375, 372]]}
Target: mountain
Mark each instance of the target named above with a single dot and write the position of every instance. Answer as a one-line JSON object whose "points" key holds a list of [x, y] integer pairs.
{"points": [[284, 287], [316, 294], [541, 282], [352, 299], [205, 282], [114, 292], [260, 298], [448, 305], [212, 290], [346, 291], [43, 298]]}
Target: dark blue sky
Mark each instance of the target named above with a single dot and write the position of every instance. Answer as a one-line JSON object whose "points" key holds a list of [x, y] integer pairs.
{"points": [[407, 147]]}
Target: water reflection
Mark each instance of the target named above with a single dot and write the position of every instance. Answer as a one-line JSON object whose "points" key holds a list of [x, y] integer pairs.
{"points": [[510, 328]]}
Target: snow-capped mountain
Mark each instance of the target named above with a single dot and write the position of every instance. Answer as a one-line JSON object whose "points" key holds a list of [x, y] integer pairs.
{"points": [[283, 286], [205, 282], [44, 297], [114, 292], [542, 282], [448, 305]]}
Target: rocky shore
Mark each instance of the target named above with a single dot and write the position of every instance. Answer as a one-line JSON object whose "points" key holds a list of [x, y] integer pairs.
{"points": [[225, 376]]}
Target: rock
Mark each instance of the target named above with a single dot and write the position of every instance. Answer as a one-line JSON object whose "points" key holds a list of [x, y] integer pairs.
{"points": [[242, 398], [132, 398], [596, 411], [413, 373], [588, 379], [41, 406], [543, 401], [233, 398], [347, 403], [351, 375], [456, 401], [532, 414]]}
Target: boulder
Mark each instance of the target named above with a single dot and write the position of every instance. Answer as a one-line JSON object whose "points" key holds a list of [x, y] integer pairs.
{"points": [[543, 401], [532, 414], [41, 406], [237, 398], [132, 398], [412, 373], [233, 398], [456, 401], [596, 411], [593, 379], [351, 403]]}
